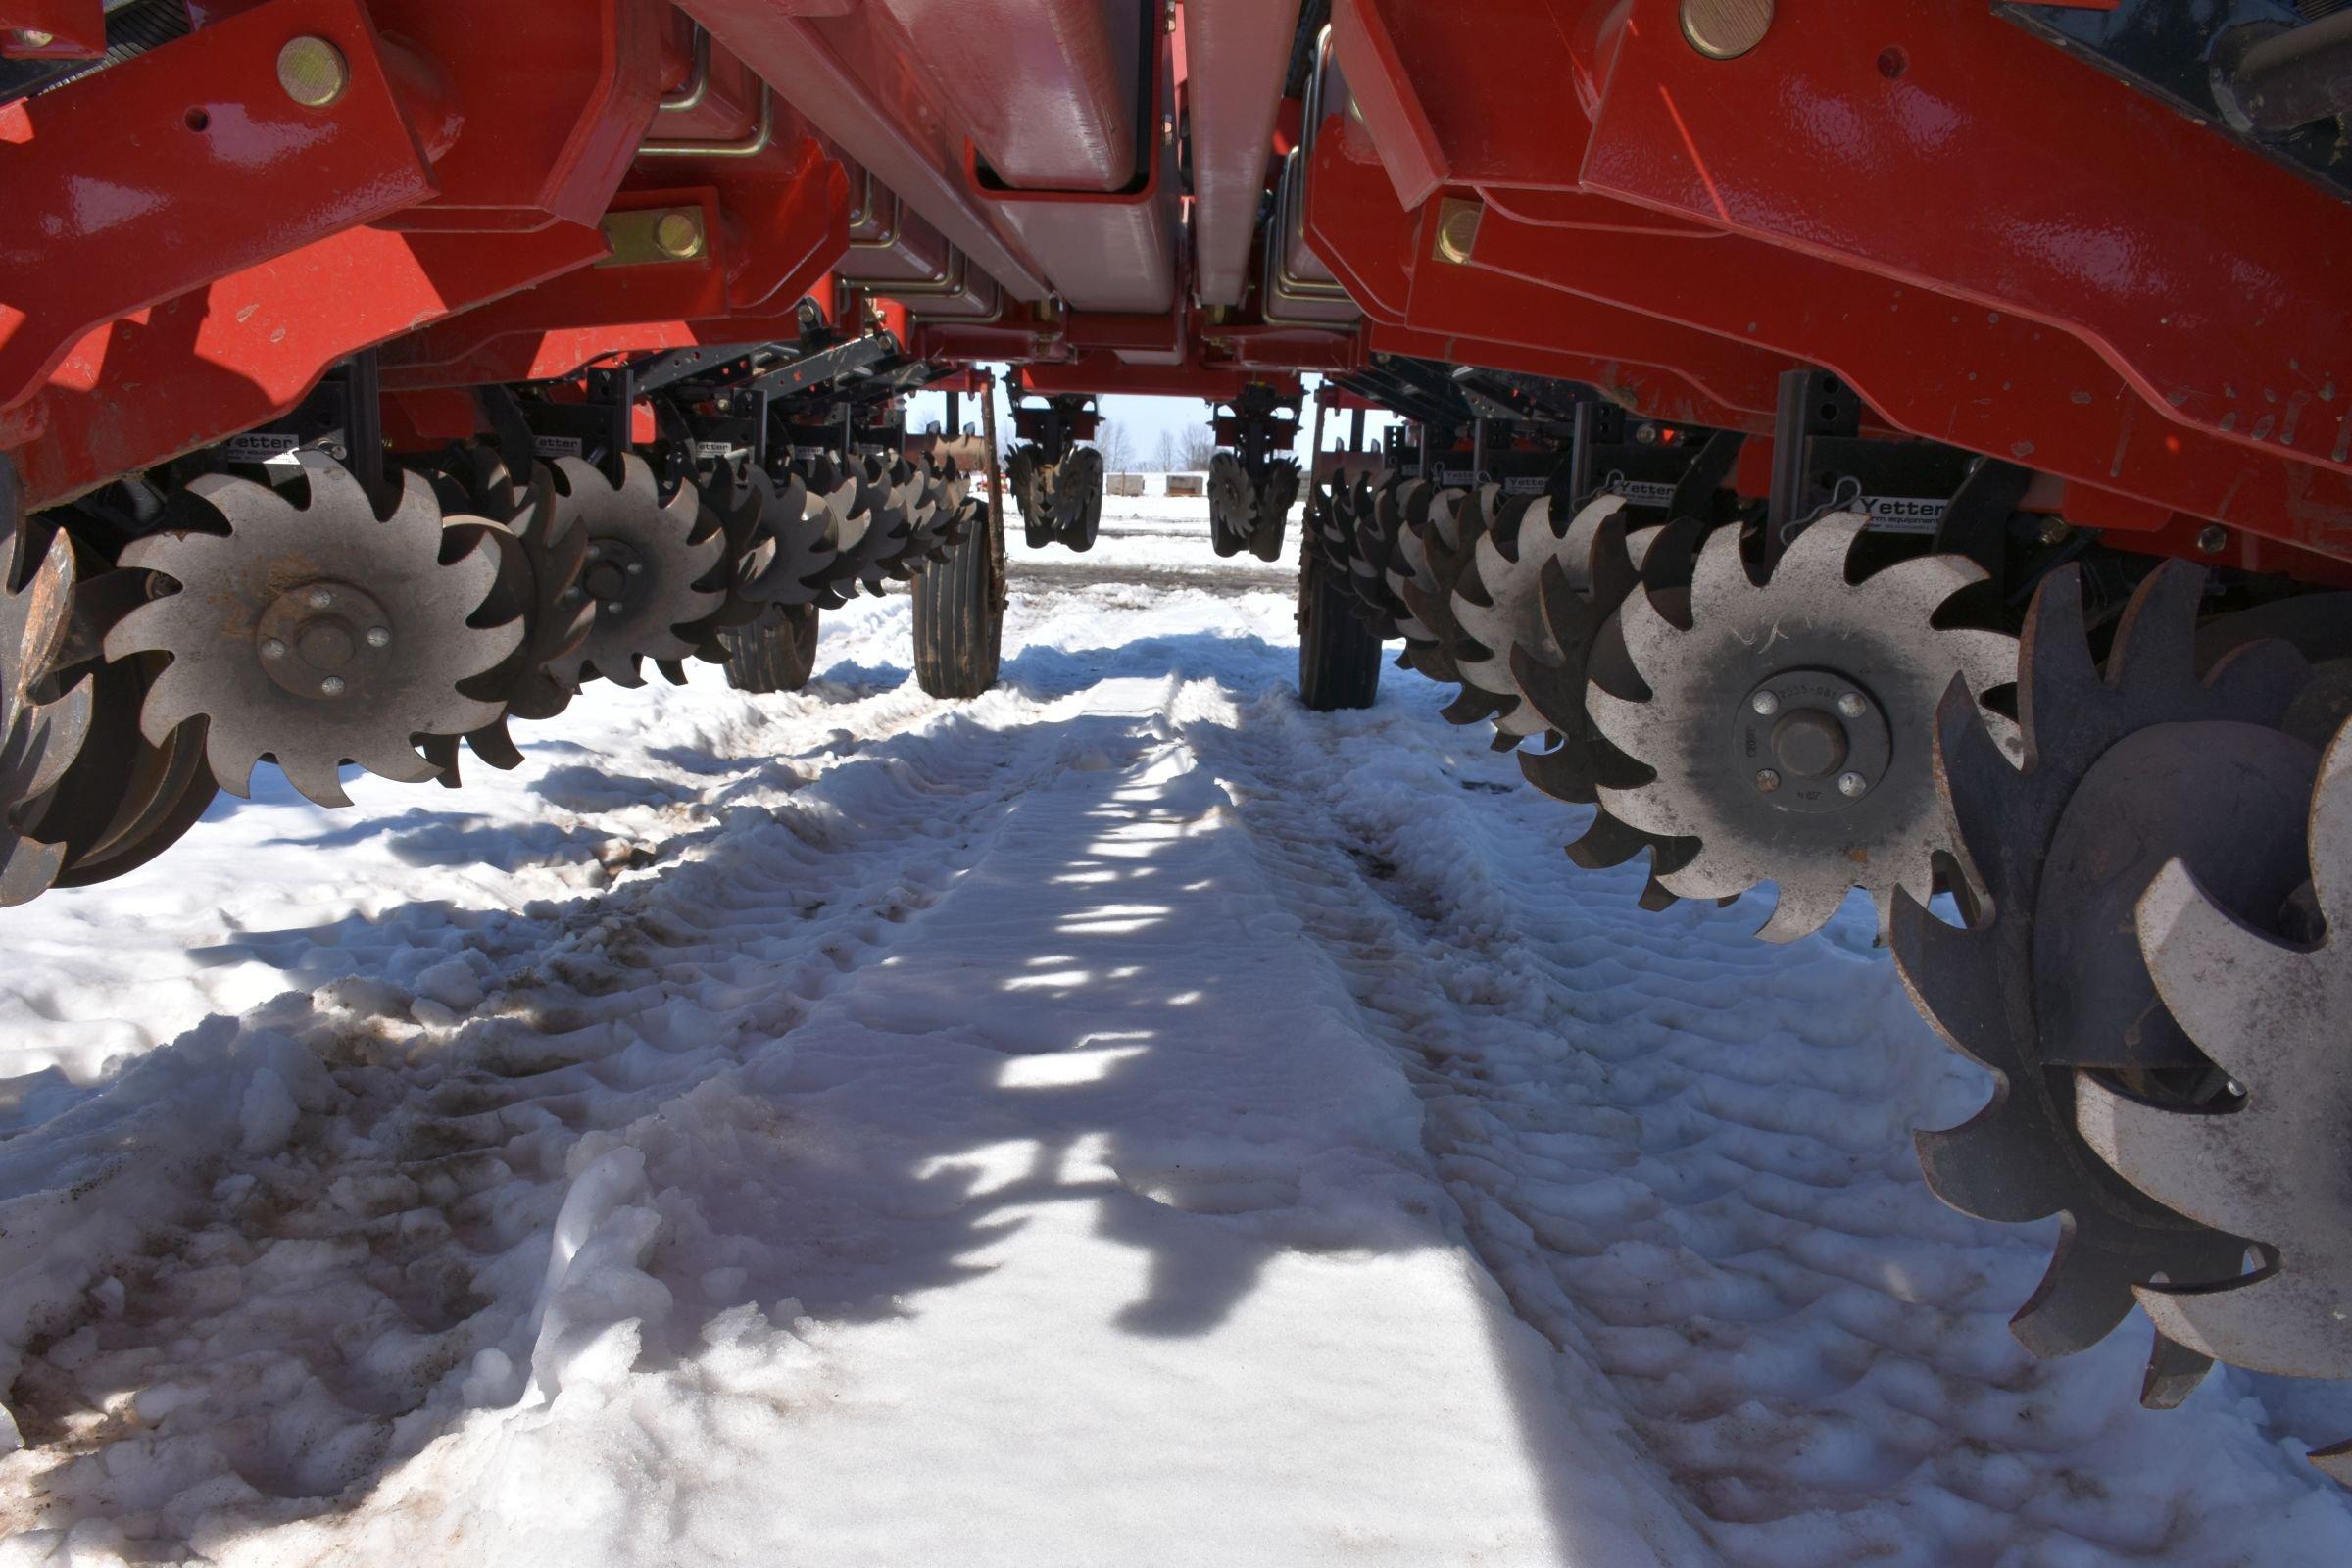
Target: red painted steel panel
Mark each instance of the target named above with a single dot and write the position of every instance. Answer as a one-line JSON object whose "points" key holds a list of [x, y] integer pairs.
{"points": [[857, 86], [1111, 251], [1393, 110], [1348, 200], [1048, 91], [557, 94], [1466, 302], [970, 342], [769, 240], [1105, 372], [247, 349], [1102, 253], [183, 166], [1414, 62], [1657, 393], [1938, 368], [1083, 329], [76, 28], [1937, 145], [889, 241], [1236, 54]]}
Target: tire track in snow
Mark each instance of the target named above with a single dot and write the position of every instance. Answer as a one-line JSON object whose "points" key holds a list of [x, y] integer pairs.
{"points": [[251, 1256], [1685, 1157]]}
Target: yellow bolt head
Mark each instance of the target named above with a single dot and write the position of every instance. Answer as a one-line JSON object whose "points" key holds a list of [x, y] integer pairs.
{"points": [[1725, 29], [1457, 230], [679, 236], [313, 72]]}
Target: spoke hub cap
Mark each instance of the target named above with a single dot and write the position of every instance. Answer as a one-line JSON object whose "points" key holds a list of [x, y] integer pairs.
{"points": [[325, 640], [1814, 739]]}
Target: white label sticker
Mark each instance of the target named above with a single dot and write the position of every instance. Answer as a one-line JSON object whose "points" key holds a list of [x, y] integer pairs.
{"points": [[716, 449], [1642, 492], [1903, 513], [1525, 485], [808, 453], [558, 446], [260, 446]]}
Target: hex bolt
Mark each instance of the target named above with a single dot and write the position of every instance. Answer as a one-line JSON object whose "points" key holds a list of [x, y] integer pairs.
{"points": [[1725, 29], [636, 568], [319, 599], [679, 236], [1852, 705], [596, 552], [379, 636], [332, 685], [1765, 703], [2211, 538], [271, 648], [1457, 230], [313, 72], [1767, 780], [1851, 785]]}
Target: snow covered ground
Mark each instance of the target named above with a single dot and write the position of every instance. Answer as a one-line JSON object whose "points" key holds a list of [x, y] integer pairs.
{"points": [[1123, 1119]]}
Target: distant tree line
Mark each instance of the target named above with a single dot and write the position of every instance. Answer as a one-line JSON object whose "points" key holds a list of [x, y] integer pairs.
{"points": [[1184, 453]]}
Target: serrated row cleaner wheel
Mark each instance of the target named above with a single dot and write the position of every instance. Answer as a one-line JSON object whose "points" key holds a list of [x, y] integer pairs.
{"points": [[646, 561], [41, 730], [308, 629], [1786, 724], [2269, 1010], [2126, 769]]}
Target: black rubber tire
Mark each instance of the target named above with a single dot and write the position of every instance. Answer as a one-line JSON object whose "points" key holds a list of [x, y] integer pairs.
{"points": [[1338, 657], [775, 653], [959, 615]]}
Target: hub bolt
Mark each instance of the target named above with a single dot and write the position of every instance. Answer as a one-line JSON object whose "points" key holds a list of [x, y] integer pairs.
{"points": [[379, 636], [319, 599], [1457, 230], [1725, 29], [636, 568], [1851, 785], [1852, 705], [332, 685], [1765, 703], [679, 236], [313, 72], [1767, 780], [271, 648]]}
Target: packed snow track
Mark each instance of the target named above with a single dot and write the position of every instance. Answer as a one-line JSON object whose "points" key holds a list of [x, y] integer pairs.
{"points": [[1126, 1119]]}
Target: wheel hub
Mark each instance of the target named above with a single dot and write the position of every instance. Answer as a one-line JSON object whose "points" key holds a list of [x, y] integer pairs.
{"points": [[328, 640], [1813, 740], [615, 576]]}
